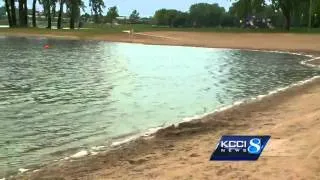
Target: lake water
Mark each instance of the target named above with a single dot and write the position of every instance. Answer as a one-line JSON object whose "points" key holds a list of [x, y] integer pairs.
{"points": [[79, 94]]}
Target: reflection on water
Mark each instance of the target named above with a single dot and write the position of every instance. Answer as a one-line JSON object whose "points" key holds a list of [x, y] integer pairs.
{"points": [[78, 94]]}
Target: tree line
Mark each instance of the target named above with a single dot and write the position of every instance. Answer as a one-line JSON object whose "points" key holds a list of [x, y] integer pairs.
{"points": [[111, 15], [284, 13], [281, 12], [18, 16]]}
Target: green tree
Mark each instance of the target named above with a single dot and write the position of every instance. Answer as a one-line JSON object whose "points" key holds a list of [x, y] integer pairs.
{"points": [[112, 14], [228, 20], [287, 7], [316, 13], [181, 19], [13, 13], [276, 16], [244, 8], [7, 8], [171, 17], [134, 16], [47, 8], [299, 15], [34, 20], [86, 17], [59, 23], [310, 13], [23, 13], [2, 12], [161, 17], [73, 7], [204, 14], [74, 11], [97, 9]]}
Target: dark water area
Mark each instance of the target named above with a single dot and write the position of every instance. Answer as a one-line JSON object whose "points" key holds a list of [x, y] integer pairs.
{"points": [[79, 94]]}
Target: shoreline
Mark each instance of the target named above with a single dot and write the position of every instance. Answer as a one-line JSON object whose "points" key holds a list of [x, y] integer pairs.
{"points": [[180, 133]]}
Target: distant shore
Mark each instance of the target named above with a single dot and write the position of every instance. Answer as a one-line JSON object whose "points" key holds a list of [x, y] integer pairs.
{"points": [[291, 117]]}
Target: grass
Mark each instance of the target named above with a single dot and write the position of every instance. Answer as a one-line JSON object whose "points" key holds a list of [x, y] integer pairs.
{"points": [[146, 27]]}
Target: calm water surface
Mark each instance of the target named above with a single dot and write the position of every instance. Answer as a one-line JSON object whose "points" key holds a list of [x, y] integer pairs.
{"points": [[79, 94]]}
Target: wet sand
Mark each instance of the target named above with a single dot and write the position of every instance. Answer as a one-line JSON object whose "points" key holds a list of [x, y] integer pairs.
{"points": [[292, 118]]}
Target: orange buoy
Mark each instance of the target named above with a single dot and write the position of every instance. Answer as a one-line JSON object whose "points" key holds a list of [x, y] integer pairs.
{"points": [[46, 46]]}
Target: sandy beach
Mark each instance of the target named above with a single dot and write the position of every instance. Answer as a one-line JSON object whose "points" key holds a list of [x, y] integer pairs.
{"points": [[291, 117]]}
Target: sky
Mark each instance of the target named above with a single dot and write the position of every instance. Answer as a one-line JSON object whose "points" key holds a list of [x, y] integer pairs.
{"points": [[147, 8]]}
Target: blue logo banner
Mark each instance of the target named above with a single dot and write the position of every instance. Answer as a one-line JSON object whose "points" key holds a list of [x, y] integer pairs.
{"points": [[239, 148]]}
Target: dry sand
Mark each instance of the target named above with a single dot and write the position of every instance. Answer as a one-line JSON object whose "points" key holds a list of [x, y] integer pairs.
{"points": [[292, 118]]}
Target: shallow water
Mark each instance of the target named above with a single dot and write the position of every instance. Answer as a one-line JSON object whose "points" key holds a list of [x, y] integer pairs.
{"points": [[78, 94]]}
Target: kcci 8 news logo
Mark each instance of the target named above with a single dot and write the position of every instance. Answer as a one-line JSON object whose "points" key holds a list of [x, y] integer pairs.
{"points": [[239, 148]]}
